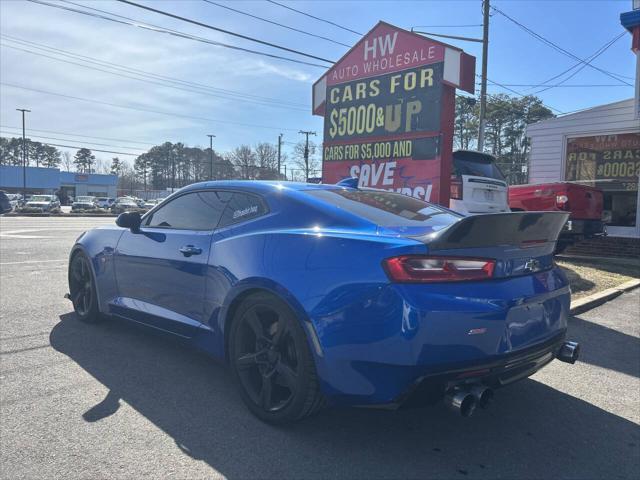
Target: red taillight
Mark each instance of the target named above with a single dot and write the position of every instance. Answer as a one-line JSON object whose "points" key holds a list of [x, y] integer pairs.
{"points": [[423, 269], [562, 202], [456, 189]]}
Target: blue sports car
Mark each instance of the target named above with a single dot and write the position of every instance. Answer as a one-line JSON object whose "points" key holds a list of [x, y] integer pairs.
{"points": [[329, 295]]}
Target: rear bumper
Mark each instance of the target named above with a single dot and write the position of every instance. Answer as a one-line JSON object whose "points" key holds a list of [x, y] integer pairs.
{"points": [[399, 339], [584, 228], [495, 372]]}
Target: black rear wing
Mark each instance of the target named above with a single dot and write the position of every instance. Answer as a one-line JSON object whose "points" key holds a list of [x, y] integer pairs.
{"points": [[521, 229]]}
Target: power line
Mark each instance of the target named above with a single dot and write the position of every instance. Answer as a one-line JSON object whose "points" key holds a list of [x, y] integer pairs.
{"points": [[79, 135], [96, 61], [520, 94], [228, 32], [593, 57], [92, 149], [148, 110], [314, 17], [556, 46], [589, 58], [447, 26], [584, 85], [175, 33], [75, 140], [165, 84], [276, 23]]}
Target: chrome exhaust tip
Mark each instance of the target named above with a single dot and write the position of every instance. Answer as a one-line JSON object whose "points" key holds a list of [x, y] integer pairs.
{"points": [[483, 395], [462, 402], [569, 352]]}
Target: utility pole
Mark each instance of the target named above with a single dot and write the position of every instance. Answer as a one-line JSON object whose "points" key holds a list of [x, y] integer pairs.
{"points": [[483, 84], [24, 156], [306, 152], [211, 137], [279, 151]]}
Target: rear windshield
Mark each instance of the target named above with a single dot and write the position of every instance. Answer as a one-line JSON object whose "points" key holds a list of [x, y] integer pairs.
{"points": [[387, 209], [477, 164]]}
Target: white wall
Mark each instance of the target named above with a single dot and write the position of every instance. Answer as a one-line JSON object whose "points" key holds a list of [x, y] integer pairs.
{"points": [[548, 137]]}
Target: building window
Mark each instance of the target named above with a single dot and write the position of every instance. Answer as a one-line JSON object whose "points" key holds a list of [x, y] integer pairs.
{"points": [[612, 164]]}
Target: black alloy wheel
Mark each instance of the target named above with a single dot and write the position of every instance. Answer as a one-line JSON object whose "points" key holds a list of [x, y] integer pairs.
{"points": [[82, 289], [272, 361]]}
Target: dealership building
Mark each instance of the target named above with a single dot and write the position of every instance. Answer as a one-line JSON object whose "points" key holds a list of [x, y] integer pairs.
{"points": [[51, 180], [600, 147]]}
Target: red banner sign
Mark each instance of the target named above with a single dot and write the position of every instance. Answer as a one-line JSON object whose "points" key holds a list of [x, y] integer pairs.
{"points": [[389, 109]]}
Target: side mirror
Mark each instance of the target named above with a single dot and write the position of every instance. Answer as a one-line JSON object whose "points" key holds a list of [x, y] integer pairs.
{"points": [[130, 220]]}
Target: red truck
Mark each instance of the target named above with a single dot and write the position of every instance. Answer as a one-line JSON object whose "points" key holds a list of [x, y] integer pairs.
{"points": [[584, 204]]}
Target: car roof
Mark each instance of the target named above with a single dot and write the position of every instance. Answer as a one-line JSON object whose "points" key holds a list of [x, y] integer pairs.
{"points": [[258, 186]]}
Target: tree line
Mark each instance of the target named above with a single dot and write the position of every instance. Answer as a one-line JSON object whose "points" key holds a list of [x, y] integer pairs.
{"points": [[505, 130], [174, 165]]}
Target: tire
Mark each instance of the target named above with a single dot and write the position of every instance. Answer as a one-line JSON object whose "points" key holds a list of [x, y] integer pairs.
{"points": [[271, 361], [82, 289]]}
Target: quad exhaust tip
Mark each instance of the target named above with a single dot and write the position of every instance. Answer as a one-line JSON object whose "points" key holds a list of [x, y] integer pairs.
{"points": [[464, 401], [569, 352]]}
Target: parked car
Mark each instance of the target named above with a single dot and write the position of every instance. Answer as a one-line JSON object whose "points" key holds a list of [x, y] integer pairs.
{"points": [[5, 203], [45, 203], [317, 294], [84, 203], [582, 202], [477, 184], [15, 200], [105, 202], [149, 204], [123, 204]]}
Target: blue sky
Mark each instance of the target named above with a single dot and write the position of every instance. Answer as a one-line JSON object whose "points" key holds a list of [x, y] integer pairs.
{"points": [[580, 27]]}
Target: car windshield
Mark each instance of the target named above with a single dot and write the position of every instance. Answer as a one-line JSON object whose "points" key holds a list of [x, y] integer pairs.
{"points": [[84, 199], [40, 198], [476, 164], [387, 209], [126, 201], [102, 199]]}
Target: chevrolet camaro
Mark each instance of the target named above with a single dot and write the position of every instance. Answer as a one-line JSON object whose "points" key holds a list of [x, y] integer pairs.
{"points": [[333, 295]]}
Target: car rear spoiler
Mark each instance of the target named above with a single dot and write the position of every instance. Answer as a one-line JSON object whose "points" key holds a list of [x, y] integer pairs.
{"points": [[522, 229]]}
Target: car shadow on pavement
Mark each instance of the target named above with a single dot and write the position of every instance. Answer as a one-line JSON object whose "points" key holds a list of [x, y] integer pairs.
{"points": [[532, 430], [607, 348]]}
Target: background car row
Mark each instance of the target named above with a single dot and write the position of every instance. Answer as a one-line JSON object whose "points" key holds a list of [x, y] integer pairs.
{"points": [[47, 203]]}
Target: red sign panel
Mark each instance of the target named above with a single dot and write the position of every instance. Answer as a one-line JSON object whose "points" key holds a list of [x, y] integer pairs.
{"points": [[389, 115]]}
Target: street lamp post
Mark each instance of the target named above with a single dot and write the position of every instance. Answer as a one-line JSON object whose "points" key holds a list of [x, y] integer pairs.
{"points": [[24, 156], [211, 156]]}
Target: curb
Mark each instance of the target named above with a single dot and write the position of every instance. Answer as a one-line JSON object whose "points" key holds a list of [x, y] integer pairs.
{"points": [[592, 301]]}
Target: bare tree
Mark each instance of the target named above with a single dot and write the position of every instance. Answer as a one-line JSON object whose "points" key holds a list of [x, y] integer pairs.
{"points": [[310, 167], [266, 156], [67, 161], [245, 159]]}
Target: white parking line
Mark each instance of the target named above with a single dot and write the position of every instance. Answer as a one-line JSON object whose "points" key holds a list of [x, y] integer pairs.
{"points": [[34, 261]]}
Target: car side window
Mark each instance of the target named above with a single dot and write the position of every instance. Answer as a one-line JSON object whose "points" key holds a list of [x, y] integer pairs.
{"points": [[242, 207], [192, 211]]}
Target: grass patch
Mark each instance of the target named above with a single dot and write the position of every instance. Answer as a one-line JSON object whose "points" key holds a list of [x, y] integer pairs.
{"points": [[588, 277]]}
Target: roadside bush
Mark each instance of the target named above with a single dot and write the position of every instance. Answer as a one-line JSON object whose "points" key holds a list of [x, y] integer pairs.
{"points": [[98, 211], [29, 210]]}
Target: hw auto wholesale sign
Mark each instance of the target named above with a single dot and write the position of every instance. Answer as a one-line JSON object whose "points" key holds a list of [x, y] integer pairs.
{"points": [[389, 108]]}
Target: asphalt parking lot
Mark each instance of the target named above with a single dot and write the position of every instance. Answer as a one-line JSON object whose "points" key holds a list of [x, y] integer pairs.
{"points": [[113, 401]]}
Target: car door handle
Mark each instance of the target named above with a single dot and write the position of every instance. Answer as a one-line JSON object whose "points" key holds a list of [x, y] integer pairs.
{"points": [[189, 250]]}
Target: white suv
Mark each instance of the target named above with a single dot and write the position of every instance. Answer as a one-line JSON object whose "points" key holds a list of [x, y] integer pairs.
{"points": [[477, 184]]}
